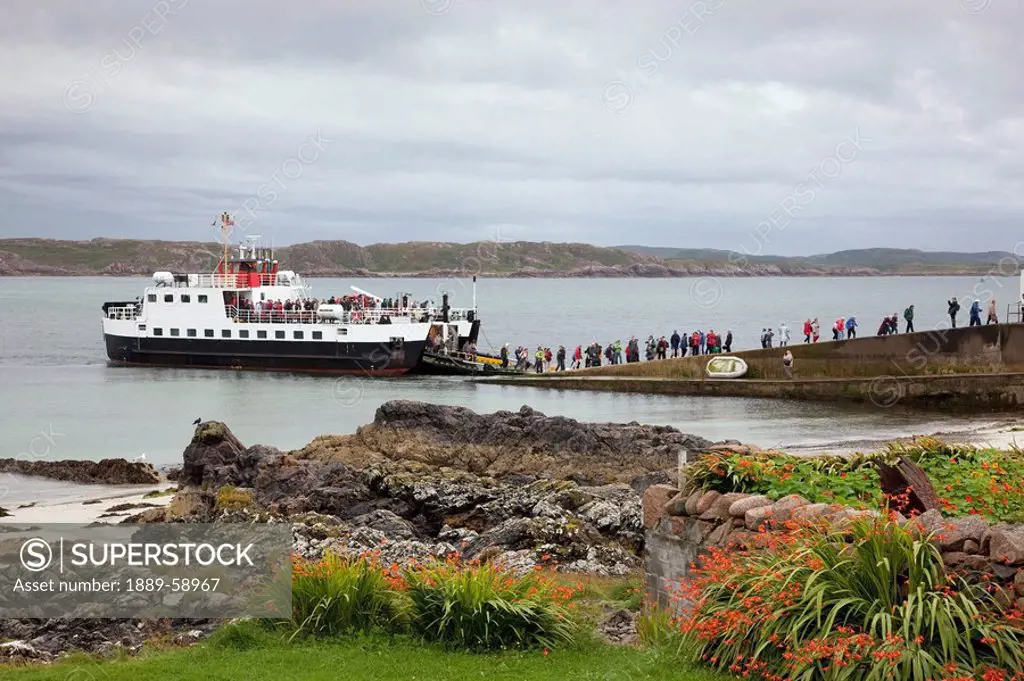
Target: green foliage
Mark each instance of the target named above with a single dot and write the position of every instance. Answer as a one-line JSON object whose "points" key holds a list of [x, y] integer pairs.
{"points": [[230, 498], [245, 635], [337, 596], [659, 629], [160, 493], [873, 602], [984, 482], [481, 607]]}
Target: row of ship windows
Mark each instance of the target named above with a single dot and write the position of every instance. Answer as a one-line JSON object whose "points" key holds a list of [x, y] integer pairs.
{"points": [[185, 298], [242, 333]]}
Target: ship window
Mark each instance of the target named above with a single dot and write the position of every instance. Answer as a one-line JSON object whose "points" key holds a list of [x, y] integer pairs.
{"points": [[151, 297], [342, 331], [158, 332], [243, 333], [225, 333], [261, 334], [185, 298], [297, 335], [202, 298], [318, 335], [191, 333], [279, 334], [174, 332], [169, 298], [142, 327], [208, 333]]}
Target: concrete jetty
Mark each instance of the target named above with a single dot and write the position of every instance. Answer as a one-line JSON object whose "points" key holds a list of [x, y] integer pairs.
{"points": [[972, 368]]}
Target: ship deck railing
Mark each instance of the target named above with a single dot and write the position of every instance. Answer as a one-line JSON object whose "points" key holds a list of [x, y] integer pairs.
{"points": [[240, 280], [362, 316], [1014, 313], [123, 312]]}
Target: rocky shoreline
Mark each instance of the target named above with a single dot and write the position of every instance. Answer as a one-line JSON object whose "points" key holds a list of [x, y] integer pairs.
{"points": [[105, 472], [520, 489]]}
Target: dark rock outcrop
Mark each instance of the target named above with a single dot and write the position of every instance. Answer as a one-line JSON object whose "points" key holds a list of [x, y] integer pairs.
{"points": [[105, 472], [508, 443], [426, 479]]}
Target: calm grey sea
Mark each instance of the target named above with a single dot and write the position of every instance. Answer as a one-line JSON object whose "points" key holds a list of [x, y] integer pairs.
{"points": [[60, 400]]}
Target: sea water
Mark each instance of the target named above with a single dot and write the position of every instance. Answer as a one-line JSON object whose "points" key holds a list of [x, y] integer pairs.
{"points": [[60, 399]]}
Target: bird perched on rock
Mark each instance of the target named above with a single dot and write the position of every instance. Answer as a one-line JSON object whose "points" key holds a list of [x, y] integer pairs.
{"points": [[197, 422]]}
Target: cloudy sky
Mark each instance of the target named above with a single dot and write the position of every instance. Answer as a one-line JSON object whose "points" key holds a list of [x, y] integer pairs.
{"points": [[819, 125]]}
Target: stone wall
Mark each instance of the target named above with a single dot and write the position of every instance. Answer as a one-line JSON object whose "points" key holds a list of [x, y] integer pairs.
{"points": [[679, 528]]}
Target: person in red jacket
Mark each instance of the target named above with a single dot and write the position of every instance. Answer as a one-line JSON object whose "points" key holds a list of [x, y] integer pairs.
{"points": [[577, 358], [807, 331]]}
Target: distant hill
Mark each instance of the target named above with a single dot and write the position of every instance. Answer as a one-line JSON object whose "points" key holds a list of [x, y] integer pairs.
{"points": [[885, 260], [132, 257]]}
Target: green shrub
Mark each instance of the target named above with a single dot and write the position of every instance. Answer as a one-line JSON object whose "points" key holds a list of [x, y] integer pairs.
{"points": [[482, 607], [660, 629], [984, 482], [335, 596], [230, 498], [245, 635], [871, 602]]}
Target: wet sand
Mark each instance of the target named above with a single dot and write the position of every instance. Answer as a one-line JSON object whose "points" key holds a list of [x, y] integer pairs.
{"points": [[88, 506]]}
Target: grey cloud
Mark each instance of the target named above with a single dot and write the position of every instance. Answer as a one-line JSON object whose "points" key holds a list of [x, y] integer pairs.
{"points": [[442, 126]]}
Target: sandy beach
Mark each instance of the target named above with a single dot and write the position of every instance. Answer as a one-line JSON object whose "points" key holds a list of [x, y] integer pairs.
{"points": [[93, 505]]}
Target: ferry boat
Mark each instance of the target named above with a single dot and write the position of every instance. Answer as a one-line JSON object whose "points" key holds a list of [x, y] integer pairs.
{"points": [[230, 319]]}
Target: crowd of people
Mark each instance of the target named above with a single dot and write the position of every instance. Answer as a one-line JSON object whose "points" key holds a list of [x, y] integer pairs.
{"points": [[617, 352], [360, 308], [701, 343], [974, 311]]}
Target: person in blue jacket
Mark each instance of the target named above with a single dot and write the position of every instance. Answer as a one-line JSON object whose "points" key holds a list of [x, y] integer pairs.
{"points": [[851, 327], [975, 313]]}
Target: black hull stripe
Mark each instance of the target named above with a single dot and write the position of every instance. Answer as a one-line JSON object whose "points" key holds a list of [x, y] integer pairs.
{"points": [[314, 356]]}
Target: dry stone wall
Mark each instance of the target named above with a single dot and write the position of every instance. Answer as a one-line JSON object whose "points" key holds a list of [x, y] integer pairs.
{"points": [[680, 527]]}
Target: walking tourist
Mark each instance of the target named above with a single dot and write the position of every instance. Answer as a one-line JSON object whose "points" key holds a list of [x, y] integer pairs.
{"points": [[992, 318], [908, 315], [975, 313]]}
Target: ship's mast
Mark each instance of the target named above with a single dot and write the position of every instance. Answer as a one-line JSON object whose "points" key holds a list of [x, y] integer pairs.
{"points": [[225, 224]]}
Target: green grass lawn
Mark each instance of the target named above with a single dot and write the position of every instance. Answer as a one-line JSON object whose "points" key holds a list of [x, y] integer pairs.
{"points": [[376, 659]]}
